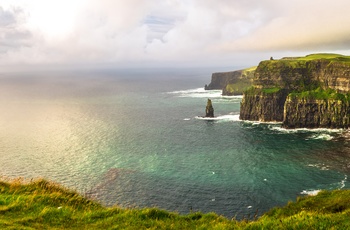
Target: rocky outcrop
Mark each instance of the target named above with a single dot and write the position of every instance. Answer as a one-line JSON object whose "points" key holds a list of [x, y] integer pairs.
{"points": [[257, 105], [209, 110], [310, 92], [220, 80], [232, 83], [300, 75]]}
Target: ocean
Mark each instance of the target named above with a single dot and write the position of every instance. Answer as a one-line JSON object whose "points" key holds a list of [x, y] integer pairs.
{"points": [[137, 139]]}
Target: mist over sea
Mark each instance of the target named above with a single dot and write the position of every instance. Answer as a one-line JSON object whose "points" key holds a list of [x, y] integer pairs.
{"points": [[136, 139]]}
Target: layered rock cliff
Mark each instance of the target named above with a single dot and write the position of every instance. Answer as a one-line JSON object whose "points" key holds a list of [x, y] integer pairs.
{"points": [[313, 113], [311, 92], [233, 82], [257, 105]]}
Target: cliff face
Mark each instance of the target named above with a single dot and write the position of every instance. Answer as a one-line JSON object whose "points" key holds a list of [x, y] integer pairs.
{"points": [[257, 105], [232, 83], [311, 113], [220, 80], [310, 92], [301, 75]]}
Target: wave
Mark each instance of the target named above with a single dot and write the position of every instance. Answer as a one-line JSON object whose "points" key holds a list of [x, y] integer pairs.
{"points": [[342, 183], [263, 122], [319, 166], [234, 117], [314, 192], [321, 136], [202, 93], [305, 130], [310, 192]]}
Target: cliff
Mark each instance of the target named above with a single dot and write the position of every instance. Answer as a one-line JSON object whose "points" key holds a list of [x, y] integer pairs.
{"points": [[232, 83], [304, 92]]}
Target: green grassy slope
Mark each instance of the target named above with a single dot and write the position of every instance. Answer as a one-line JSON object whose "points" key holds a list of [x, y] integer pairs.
{"points": [[45, 205]]}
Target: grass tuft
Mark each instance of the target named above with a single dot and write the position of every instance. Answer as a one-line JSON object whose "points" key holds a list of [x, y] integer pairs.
{"points": [[322, 94], [42, 204]]}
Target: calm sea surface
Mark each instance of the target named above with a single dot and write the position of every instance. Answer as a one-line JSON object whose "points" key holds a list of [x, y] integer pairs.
{"points": [[137, 140]]}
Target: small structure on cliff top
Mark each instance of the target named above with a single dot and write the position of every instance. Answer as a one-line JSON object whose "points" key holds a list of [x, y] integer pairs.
{"points": [[209, 110]]}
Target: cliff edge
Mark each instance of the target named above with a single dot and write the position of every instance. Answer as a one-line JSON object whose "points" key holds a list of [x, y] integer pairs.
{"points": [[304, 92]]}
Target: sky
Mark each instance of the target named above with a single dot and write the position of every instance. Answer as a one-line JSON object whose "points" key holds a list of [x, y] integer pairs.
{"points": [[168, 33]]}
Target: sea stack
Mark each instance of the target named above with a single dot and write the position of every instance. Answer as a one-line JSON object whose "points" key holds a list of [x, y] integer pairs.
{"points": [[209, 110]]}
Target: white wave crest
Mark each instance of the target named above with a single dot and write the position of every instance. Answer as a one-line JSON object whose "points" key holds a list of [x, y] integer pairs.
{"points": [[305, 130], [319, 166], [199, 92], [220, 118], [202, 93], [263, 122], [342, 183], [322, 136], [310, 192]]}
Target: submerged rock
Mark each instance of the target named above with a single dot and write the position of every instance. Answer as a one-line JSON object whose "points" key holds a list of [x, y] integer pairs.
{"points": [[209, 110]]}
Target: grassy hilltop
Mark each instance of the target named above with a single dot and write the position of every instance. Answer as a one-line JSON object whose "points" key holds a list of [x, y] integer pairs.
{"points": [[45, 205]]}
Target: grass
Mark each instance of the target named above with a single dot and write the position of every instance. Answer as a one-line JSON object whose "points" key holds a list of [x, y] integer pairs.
{"points": [[242, 84], [271, 90], [250, 70], [321, 94], [255, 91], [44, 205], [301, 62], [328, 56], [239, 87]]}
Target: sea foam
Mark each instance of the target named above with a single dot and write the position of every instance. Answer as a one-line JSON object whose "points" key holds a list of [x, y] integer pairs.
{"points": [[202, 93], [199, 92], [234, 117], [310, 192], [304, 130], [342, 183]]}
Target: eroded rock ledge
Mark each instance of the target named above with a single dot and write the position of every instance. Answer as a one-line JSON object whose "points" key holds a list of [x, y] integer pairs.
{"points": [[305, 92]]}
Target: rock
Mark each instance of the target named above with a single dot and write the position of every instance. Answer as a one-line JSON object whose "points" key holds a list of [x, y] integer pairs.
{"points": [[233, 82], [258, 105], [311, 113], [209, 110], [306, 92]]}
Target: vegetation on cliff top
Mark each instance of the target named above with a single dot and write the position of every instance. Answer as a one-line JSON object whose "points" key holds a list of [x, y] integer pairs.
{"points": [[45, 205], [265, 91], [327, 56], [238, 86], [299, 75], [321, 94], [301, 62]]}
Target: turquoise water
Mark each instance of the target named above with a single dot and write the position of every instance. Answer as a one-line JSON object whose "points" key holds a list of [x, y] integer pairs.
{"points": [[137, 140]]}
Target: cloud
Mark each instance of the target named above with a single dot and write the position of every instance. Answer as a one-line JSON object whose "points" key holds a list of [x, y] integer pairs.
{"points": [[165, 32], [12, 35], [302, 26]]}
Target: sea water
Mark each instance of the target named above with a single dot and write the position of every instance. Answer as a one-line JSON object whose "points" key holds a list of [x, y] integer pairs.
{"points": [[139, 140]]}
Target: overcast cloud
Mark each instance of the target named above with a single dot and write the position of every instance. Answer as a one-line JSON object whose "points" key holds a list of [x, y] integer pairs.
{"points": [[138, 33]]}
